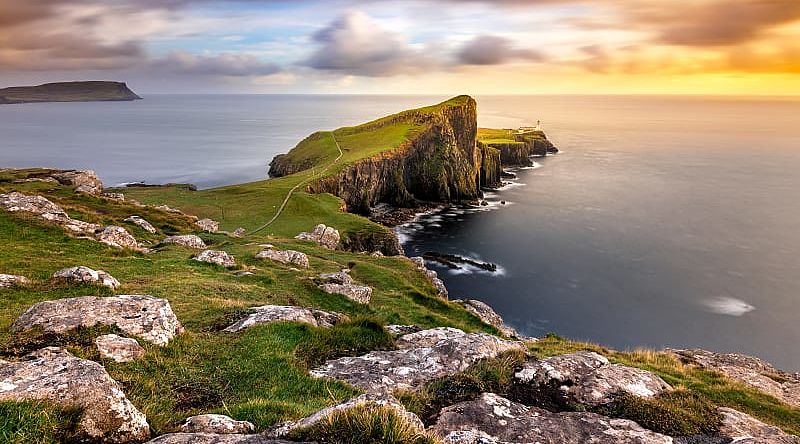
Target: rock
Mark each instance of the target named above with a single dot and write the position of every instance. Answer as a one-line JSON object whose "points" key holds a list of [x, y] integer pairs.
{"points": [[83, 181], [86, 275], [322, 234], [219, 424], [55, 375], [431, 275], [208, 225], [118, 348], [186, 240], [220, 258], [372, 400], [280, 313], [239, 232], [400, 330], [144, 316], [412, 367], [244, 273], [47, 210], [377, 254], [143, 224], [486, 314], [285, 257], [745, 429], [10, 280], [492, 419], [341, 283], [213, 438], [586, 378], [114, 196], [117, 237]]}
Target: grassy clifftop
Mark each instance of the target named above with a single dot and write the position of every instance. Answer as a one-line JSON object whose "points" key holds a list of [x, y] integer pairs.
{"points": [[90, 91]]}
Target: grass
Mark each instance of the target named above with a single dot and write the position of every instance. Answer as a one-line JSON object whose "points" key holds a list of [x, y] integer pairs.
{"points": [[36, 423], [364, 424]]}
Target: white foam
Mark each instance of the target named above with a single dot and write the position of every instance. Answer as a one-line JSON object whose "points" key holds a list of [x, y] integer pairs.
{"points": [[728, 306]]}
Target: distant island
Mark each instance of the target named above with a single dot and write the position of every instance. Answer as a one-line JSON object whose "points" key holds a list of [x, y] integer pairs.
{"points": [[91, 91]]}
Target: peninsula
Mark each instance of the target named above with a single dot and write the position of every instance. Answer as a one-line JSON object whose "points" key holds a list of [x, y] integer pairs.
{"points": [[90, 91]]}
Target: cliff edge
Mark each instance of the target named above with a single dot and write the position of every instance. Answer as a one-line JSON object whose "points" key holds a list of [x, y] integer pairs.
{"points": [[91, 91]]}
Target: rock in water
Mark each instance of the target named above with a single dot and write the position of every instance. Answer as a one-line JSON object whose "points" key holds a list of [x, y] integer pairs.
{"points": [[492, 419], [144, 316], [322, 234], [84, 181], [86, 275], [218, 424], [745, 429], [186, 240], [220, 258], [266, 314], [10, 280], [118, 237], [118, 348], [208, 225], [55, 375], [341, 283], [143, 224], [285, 257], [486, 314]]}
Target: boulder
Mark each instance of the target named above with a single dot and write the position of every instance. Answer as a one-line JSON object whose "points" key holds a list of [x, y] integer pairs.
{"points": [[492, 419], [208, 225], [322, 234], [285, 257], [118, 349], [117, 237], [487, 315], [280, 313], [745, 429], [239, 232], [144, 316], [218, 424], [86, 275], [586, 378], [143, 224], [213, 438], [47, 210], [186, 240], [54, 375], [114, 196], [431, 275], [84, 181], [341, 283], [412, 367], [10, 280], [220, 258], [400, 330]]}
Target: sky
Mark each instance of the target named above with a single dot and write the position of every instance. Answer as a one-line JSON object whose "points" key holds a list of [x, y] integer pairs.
{"points": [[407, 47]]}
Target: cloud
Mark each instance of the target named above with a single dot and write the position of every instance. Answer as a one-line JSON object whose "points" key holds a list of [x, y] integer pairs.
{"points": [[494, 50], [224, 64]]}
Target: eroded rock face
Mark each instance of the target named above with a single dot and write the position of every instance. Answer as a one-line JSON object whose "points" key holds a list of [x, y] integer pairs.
{"points": [[218, 424], [432, 276], [266, 314], [285, 257], [84, 181], [143, 224], [186, 240], [55, 375], [322, 234], [220, 258], [341, 283], [413, 366], [208, 225], [144, 316], [213, 438], [117, 237], [492, 419], [10, 280], [85, 275], [47, 210], [587, 378], [745, 429], [118, 348], [486, 314]]}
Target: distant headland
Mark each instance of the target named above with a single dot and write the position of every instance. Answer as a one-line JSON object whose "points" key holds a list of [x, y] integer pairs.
{"points": [[90, 91]]}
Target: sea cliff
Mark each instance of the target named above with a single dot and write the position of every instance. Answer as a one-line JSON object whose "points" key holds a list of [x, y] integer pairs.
{"points": [[90, 91]]}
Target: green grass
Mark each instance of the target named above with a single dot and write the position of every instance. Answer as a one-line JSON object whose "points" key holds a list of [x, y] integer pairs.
{"points": [[36, 423]]}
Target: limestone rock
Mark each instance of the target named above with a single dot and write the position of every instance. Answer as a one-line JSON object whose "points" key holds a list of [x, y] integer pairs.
{"points": [[412, 367], [486, 314], [186, 240], [143, 224], [83, 181], [208, 225], [47, 210], [118, 237], [285, 257], [280, 313], [10, 280], [322, 234], [144, 316], [86, 275], [341, 283], [55, 375], [492, 419], [213, 438], [745, 429], [118, 348], [432, 276], [218, 424], [220, 258]]}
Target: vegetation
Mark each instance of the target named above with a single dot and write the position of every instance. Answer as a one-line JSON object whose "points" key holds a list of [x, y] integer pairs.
{"points": [[36, 423], [68, 92], [364, 424]]}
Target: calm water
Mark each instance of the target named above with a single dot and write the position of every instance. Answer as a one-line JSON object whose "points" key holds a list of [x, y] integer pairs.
{"points": [[664, 222]]}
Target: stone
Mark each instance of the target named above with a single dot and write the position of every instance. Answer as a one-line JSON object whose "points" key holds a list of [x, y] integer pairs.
{"points": [[84, 181], [208, 225], [411, 367], [745, 429], [322, 234], [431, 275], [239, 232], [114, 196], [220, 258], [285, 257], [214, 438], [492, 419], [119, 349], [400, 330], [143, 224], [143, 316], [47, 210], [586, 378], [487, 315], [10, 280], [281, 313], [86, 275], [55, 375], [117, 237], [186, 240], [218, 424], [341, 283]]}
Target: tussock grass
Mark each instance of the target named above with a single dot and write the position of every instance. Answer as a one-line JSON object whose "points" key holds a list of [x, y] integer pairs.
{"points": [[365, 425]]}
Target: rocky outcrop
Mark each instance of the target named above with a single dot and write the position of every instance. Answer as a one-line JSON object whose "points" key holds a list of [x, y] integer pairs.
{"points": [[85, 181], [423, 357], [289, 257], [266, 314], [487, 315], [744, 429], [432, 276], [46, 210], [144, 316], [117, 237], [322, 234], [214, 438], [217, 424], [186, 240], [10, 280], [114, 196], [492, 419], [119, 349], [341, 283], [514, 153], [85, 275], [208, 225], [143, 224], [491, 167], [54, 375], [220, 258]]}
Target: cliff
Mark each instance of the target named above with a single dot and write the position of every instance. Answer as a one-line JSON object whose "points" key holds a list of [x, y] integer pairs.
{"points": [[92, 91], [516, 148]]}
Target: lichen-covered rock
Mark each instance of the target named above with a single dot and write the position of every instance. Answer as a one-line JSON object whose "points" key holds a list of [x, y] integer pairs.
{"points": [[143, 224], [10, 280], [492, 419], [587, 378], [214, 438], [144, 316], [119, 349], [432, 276], [54, 375], [322, 234], [117, 237], [86, 275], [285, 257], [341, 283], [239, 232], [745, 429], [220, 258], [218, 424], [400, 330], [486, 314], [84, 181], [208, 225], [266, 314], [186, 240], [47, 210], [412, 367]]}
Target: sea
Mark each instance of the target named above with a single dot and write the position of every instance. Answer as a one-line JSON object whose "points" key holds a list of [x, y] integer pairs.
{"points": [[665, 221]]}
